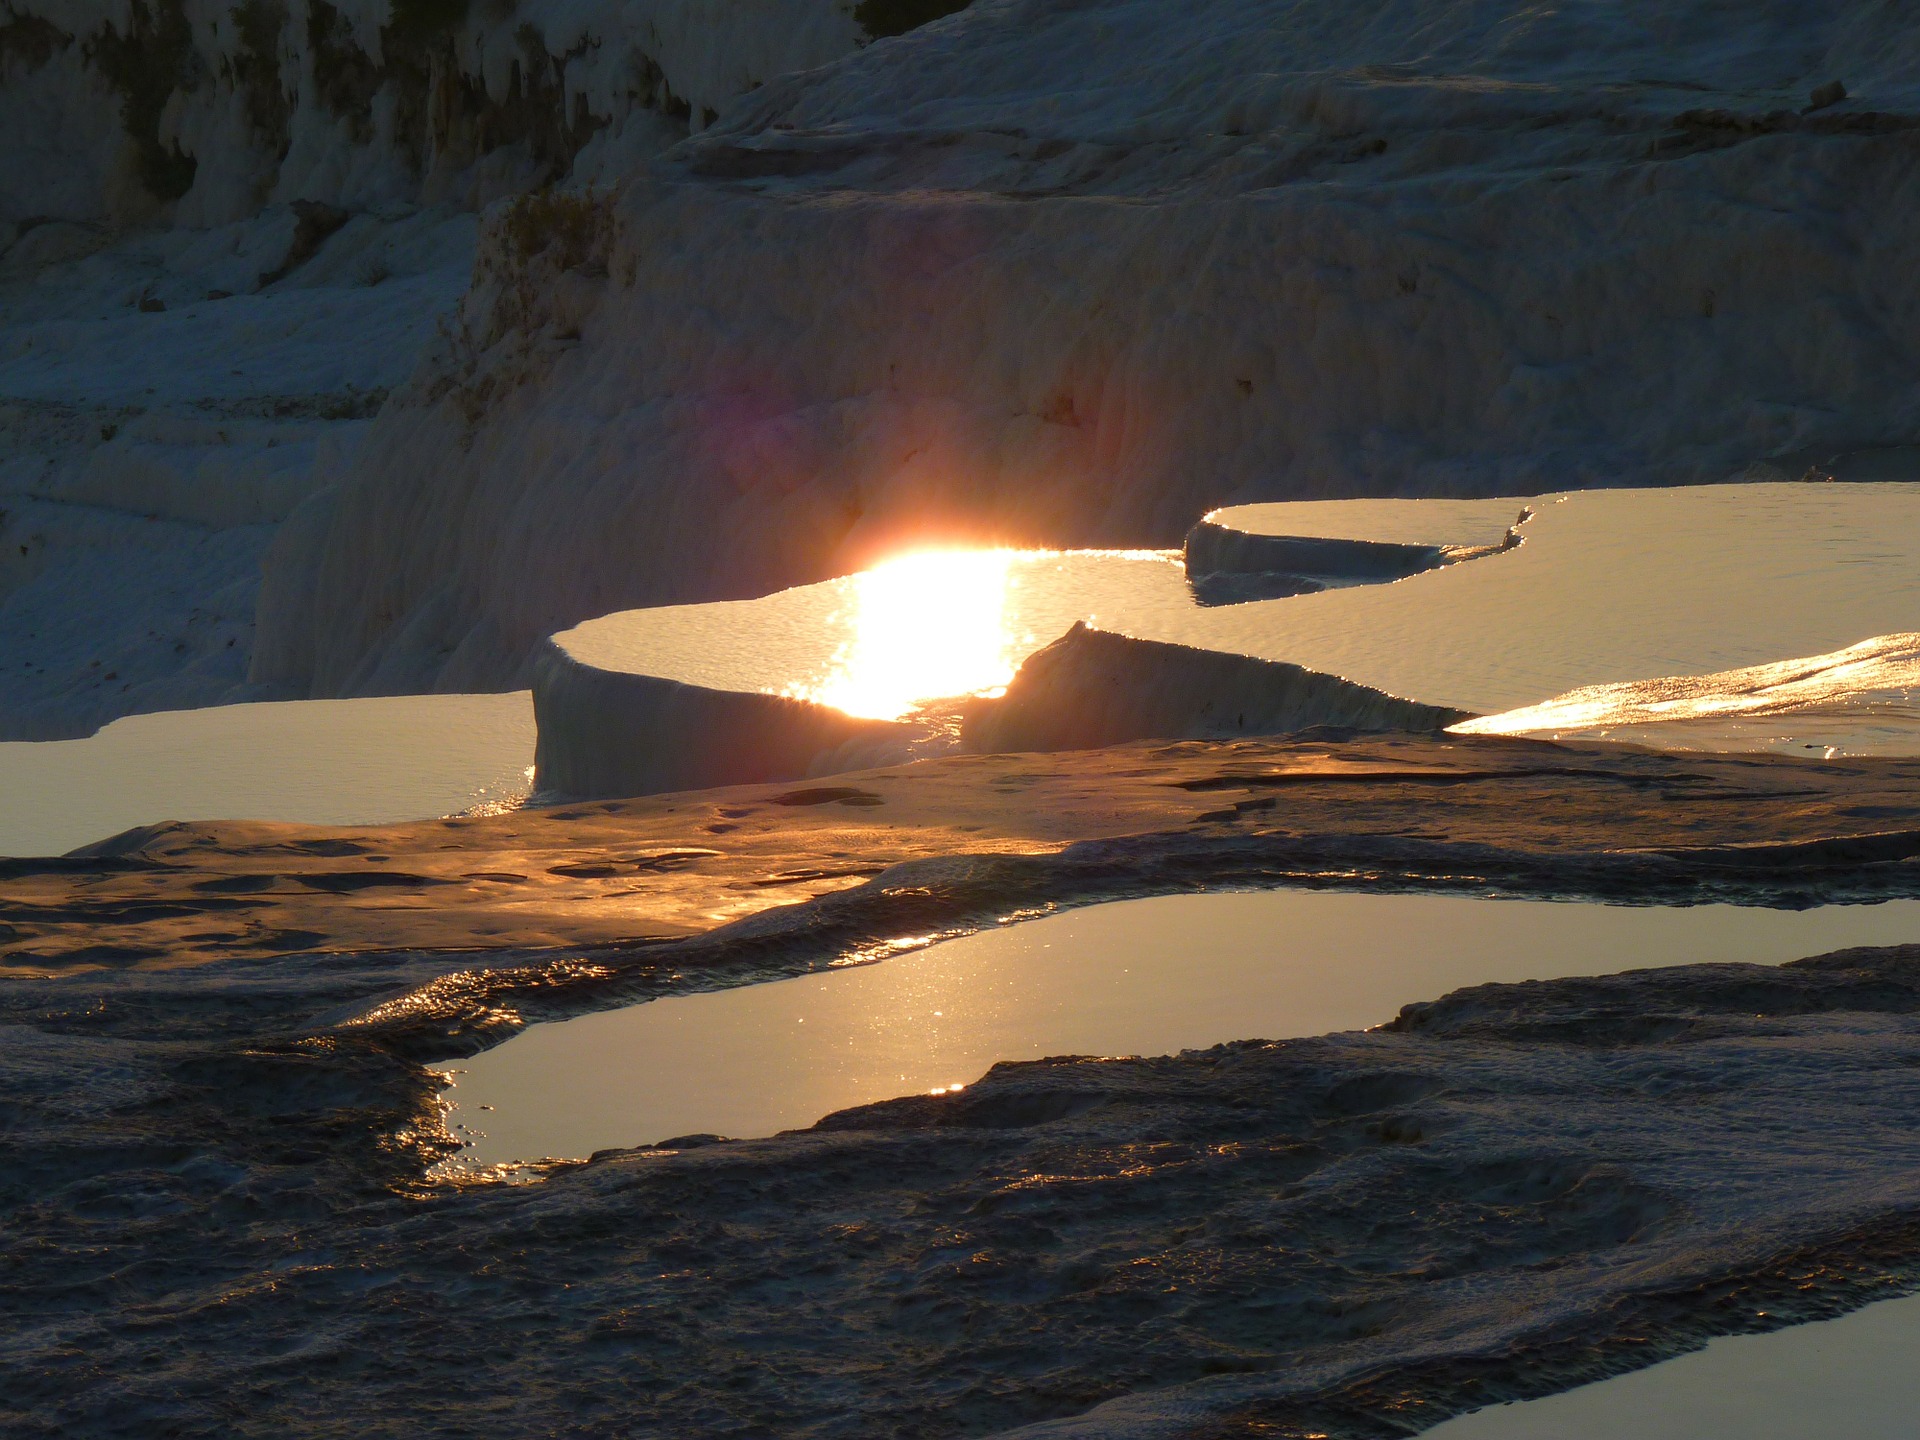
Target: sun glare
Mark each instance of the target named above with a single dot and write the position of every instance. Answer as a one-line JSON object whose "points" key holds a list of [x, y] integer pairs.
{"points": [[923, 627]]}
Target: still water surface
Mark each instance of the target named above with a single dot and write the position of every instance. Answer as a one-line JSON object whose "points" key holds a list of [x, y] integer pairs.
{"points": [[1609, 587], [1133, 977], [1851, 1377], [321, 762]]}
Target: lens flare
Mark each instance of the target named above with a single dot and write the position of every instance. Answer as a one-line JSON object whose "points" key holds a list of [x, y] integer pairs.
{"points": [[925, 626]]}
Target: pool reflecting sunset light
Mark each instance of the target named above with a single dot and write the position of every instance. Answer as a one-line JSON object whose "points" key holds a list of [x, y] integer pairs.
{"points": [[923, 627], [931, 625]]}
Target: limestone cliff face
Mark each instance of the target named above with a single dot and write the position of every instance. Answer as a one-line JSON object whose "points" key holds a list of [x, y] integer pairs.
{"points": [[199, 112], [227, 230], [1076, 273]]}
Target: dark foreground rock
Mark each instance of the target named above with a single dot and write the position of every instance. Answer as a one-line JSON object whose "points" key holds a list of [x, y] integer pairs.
{"points": [[214, 1221], [1261, 1234], [1596, 819], [1504, 1191]]}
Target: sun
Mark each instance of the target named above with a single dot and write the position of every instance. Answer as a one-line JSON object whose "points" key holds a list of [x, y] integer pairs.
{"points": [[925, 626]]}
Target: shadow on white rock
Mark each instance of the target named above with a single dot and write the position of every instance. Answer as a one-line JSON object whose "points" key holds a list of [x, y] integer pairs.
{"points": [[1090, 688], [611, 732], [606, 732]]}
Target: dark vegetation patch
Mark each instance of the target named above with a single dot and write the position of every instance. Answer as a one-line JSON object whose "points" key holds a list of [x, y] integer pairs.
{"points": [[440, 110], [527, 245], [30, 42], [149, 61], [255, 70], [534, 111], [569, 228], [880, 18], [421, 21], [344, 74]]}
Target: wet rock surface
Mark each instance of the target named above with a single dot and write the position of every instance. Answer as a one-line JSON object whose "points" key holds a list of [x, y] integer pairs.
{"points": [[223, 1239], [1131, 819], [216, 1221]]}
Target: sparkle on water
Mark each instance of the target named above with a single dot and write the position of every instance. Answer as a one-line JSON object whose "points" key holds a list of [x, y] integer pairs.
{"points": [[930, 625], [1132, 977], [1867, 697], [1610, 587], [922, 627]]}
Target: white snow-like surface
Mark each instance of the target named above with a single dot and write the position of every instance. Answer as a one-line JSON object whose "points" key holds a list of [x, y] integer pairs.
{"points": [[105, 611], [1853, 1376], [192, 358], [353, 316], [1136, 977], [321, 762], [1052, 274], [300, 342], [145, 455]]}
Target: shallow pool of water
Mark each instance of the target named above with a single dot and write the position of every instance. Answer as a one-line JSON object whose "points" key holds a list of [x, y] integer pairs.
{"points": [[1134, 977], [1851, 1377], [1609, 586], [321, 762]]}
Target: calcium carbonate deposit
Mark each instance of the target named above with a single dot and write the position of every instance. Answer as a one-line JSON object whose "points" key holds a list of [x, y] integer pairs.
{"points": [[1034, 273], [354, 351], [1076, 273], [227, 233], [1718, 587]]}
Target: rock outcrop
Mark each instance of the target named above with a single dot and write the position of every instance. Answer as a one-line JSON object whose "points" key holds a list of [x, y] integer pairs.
{"points": [[1090, 688], [1078, 273], [614, 732], [200, 112]]}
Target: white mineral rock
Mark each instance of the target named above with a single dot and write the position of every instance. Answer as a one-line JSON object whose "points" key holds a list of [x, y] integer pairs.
{"points": [[1078, 273]]}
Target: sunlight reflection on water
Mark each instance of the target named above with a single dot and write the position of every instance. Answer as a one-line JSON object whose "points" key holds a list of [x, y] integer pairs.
{"points": [[1610, 588], [1862, 698], [940, 624], [1149, 976], [921, 627]]}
